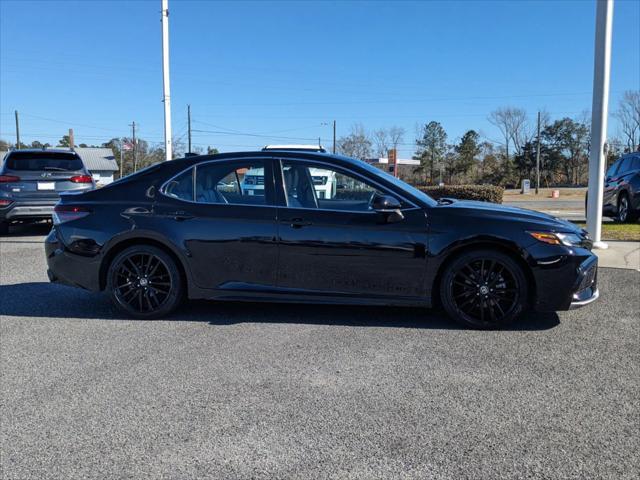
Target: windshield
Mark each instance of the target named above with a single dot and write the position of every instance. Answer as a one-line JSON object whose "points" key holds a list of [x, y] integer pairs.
{"points": [[400, 184], [34, 161]]}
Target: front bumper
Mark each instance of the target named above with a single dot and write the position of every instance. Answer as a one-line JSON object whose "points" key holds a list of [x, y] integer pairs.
{"points": [[581, 302]]}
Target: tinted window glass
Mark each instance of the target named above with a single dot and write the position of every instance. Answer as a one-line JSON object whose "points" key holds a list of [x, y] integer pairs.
{"points": [[237, 183], [635, 164], [315, 186], [613, 169], [43, 161], [181, 186], [625, 163]]}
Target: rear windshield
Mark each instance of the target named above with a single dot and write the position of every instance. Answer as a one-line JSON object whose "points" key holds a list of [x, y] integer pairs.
{"points": [[43, 161]]}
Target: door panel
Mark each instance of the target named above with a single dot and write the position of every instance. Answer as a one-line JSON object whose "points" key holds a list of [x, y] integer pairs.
{"points": [[229, 243], [332, 242], [352, 253]]}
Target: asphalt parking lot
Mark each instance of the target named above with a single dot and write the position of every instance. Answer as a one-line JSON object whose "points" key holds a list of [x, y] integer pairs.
{"points": [[286, 391]]}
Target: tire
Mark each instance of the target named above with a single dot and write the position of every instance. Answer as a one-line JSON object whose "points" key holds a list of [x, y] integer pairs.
{"points": [[4, 228], [144, 282], [484, 289], [625, 214]]}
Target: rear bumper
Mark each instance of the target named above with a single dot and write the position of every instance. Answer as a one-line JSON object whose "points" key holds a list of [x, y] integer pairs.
{"points": [[69, 268], [28, 209]]}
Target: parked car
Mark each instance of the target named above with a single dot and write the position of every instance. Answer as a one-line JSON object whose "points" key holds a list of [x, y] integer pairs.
{"points": [[31, 182], [621, 197], [176, 230]]}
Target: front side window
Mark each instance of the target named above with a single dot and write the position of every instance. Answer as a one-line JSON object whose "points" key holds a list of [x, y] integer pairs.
{"points": [[318, 186], [237, 183]]}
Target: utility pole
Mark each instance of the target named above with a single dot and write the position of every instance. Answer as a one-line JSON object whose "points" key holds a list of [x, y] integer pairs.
{"points": [[334, 137], [121, 156], [189, 126], [17, 132], [166, 97], [538, 159], [599, 112], [71, 139], [135, 144]]}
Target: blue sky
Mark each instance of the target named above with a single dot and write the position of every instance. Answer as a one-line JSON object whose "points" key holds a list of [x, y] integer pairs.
{"points": [[288, 69]]}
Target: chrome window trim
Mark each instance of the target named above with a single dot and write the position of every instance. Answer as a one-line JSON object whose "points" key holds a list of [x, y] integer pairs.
{"points": [[356, 174]]}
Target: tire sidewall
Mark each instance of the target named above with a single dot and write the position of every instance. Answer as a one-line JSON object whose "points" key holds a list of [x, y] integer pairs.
{"points": [[468, 257], [623, 197], [175, 295]]}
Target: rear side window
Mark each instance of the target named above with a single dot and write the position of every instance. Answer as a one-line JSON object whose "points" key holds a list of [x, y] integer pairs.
{"points": [[625, 165], [239, 183], [34, 161], [181, 186], [635, 163]]}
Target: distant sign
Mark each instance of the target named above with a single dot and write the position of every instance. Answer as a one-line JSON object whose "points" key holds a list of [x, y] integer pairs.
{"points": [[526, 186], [393, 161]]}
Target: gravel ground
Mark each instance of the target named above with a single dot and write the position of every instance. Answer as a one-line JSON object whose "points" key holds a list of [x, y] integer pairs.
{"points": [[284, 391]]}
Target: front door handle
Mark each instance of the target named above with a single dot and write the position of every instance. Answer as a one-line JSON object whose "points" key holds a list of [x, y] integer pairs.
{"points": [[299, 223]]}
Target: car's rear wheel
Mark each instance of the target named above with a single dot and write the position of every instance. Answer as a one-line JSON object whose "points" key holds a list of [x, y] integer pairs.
{"points": [[145, 282], [624, 209], [484, 289]]}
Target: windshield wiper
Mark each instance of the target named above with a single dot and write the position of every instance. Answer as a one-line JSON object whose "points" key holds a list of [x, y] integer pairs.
{"points": [[445, 201], [57, 169]]}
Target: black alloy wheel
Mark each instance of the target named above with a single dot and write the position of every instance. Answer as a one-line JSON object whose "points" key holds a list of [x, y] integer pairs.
{"points": [[484, 289], [623, 208], [144, 282]]}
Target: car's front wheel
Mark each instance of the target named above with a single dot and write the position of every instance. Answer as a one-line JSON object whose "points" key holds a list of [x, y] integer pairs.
{"points": [[145, 282], [484, 289]]}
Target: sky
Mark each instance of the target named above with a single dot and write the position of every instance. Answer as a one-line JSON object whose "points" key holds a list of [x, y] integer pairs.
{"points": [[281, 72]]}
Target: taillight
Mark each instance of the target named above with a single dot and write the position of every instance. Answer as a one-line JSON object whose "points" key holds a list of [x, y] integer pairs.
{"points": [[81, 179], [67, 213], [5, 203], [9, 178]]}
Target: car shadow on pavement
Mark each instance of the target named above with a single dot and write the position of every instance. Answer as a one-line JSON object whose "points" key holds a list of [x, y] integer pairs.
{"points": [[47, 300]]}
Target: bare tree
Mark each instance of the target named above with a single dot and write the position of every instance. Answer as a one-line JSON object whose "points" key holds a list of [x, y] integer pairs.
{"points": [[381, 141], [628, 114], [512, 123], [396, 134], [356, 144]]}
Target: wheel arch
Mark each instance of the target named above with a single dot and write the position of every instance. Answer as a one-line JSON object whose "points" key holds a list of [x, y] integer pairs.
{"points": [[125, 243], [484, 243]]}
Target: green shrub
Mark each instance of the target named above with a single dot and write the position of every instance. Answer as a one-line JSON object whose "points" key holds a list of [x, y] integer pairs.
{"points": [[483, 193]]}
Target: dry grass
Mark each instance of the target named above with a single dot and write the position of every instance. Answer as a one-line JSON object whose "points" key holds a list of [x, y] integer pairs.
{"points": [[619, 231]]}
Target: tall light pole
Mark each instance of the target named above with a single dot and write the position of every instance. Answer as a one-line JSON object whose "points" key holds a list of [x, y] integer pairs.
{"points": [[166, 96], [599, 112]]}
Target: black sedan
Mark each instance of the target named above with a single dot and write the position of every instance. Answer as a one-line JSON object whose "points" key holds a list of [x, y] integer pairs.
{"points": [[291, 226]]}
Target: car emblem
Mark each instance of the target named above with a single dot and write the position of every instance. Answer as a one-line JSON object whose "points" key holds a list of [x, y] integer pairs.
{"points": [[45, 174]]}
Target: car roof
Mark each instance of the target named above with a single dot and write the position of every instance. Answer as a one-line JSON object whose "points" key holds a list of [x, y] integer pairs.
{"points": [[338, 160], [42, 150]]}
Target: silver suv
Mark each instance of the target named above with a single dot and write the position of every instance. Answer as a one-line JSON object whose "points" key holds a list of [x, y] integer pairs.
{"points": [[31, 182]]}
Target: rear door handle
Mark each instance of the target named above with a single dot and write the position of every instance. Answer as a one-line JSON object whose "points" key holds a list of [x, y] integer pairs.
{"points": [[299, 223], [180, 215]]}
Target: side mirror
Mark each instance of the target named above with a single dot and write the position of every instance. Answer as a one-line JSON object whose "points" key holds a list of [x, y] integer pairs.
{"points": [[386, 204], [389, 206]]}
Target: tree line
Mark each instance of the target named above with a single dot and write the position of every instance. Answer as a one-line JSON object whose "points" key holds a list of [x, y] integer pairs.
{"points": [[564, 148]]}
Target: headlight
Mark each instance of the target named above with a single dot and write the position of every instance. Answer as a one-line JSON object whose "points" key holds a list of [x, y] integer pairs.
{"points": [[568, 239]]}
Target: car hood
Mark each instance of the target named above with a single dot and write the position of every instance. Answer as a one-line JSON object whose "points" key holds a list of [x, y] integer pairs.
{"points": [[496, 211]]}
